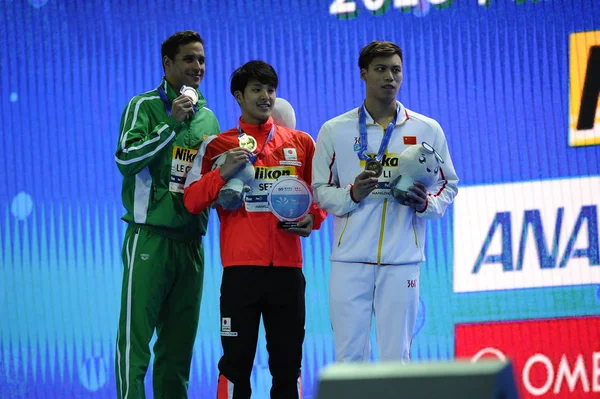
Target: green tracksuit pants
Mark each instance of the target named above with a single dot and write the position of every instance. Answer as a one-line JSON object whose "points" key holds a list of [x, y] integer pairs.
{"points": [[162, 288]]}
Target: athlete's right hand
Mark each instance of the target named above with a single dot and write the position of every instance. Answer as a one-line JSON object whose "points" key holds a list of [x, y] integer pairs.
{"points": [[234, 160], [182, 107], [364, 183]]}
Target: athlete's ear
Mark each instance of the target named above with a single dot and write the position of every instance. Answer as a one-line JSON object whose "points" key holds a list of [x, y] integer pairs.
{"points": [[363, 74], [238, 97], [166, 63]]}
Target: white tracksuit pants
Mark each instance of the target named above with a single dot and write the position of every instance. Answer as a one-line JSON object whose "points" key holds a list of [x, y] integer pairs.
{"points": [[357, 291]]}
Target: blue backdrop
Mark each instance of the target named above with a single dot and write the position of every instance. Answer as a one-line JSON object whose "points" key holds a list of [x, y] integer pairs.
{"points": [[496, 77]]}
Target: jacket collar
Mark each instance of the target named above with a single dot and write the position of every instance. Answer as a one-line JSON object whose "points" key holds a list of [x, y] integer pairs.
{"points": [[400, 111], [256, 130]]}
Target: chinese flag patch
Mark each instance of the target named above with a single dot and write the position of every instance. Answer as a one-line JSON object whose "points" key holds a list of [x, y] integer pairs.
{"points": [[410, 140]]}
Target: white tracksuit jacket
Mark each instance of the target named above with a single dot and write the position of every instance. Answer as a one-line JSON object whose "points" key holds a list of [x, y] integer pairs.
{"points": [[378, 229]]}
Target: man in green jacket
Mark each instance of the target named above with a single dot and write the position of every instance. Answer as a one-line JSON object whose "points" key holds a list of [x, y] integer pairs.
{"points": [[161, 132]]}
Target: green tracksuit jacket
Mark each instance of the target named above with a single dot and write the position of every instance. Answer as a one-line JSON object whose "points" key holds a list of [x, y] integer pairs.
{"points": [[154, 154]]}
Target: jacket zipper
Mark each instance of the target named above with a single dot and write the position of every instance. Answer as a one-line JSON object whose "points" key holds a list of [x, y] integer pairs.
{"points": [[343, 230]]}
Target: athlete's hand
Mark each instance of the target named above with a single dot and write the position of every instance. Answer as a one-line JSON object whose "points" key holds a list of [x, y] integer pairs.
{"points": [[234, 160], [417, 197], [364, 183], [182, 107], [304, 226]]}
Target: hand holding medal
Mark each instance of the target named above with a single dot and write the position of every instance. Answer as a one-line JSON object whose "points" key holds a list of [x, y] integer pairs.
{"points": [[364, 183], [374, 166], [190, 92], [373, 163], [248, 142], [184, 105]]}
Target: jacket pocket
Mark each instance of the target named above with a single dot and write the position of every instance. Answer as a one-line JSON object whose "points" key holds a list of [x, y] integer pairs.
{"points": [[415, 230], [344, 229], [156, 197]]}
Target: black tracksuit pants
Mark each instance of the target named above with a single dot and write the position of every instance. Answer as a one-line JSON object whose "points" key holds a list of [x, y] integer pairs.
{"points": [[276, 293]]}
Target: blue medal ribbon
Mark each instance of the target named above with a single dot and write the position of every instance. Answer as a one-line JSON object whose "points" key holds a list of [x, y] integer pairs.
{"points": [[362, 122]]}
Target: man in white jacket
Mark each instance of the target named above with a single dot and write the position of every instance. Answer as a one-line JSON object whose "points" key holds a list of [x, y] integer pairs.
{"points": [[378, 243]]}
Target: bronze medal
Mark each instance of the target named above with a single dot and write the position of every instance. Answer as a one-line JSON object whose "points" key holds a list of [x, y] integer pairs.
{"points": [[375, 166]]}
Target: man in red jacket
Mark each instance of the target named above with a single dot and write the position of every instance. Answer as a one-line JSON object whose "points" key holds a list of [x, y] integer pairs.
{"points": [[262, 262]]}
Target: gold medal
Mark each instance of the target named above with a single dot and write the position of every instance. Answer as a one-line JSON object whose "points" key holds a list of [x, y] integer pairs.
{"points": [[190, 92], [247, 142], [375, 166]]}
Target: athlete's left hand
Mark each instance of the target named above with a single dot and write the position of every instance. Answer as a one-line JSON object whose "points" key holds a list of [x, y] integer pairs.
{"points": [[417, 197], [304, 226]]}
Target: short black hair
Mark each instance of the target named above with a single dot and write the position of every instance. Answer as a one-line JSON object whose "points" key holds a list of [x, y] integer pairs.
{"points": [[170, 47], [258, 70], [377, 49]]}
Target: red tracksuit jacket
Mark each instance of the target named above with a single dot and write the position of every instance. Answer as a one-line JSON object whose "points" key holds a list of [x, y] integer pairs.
{"points": [[253, 238]]}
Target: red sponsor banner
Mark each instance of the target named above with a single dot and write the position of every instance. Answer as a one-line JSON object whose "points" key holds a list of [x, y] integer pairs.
{"points": [[557, 358]]}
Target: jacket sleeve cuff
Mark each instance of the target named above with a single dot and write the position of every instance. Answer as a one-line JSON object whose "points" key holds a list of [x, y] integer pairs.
{"points": [[218, 177], [426, 205], [352, 196], [319, 216]]}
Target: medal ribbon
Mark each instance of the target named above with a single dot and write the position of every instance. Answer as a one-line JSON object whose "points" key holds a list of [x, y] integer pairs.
{"points": [[362, 122], [254, 156]]}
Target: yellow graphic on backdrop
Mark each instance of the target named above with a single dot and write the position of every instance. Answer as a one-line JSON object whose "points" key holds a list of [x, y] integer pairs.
{"points": [[584, 87]]}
